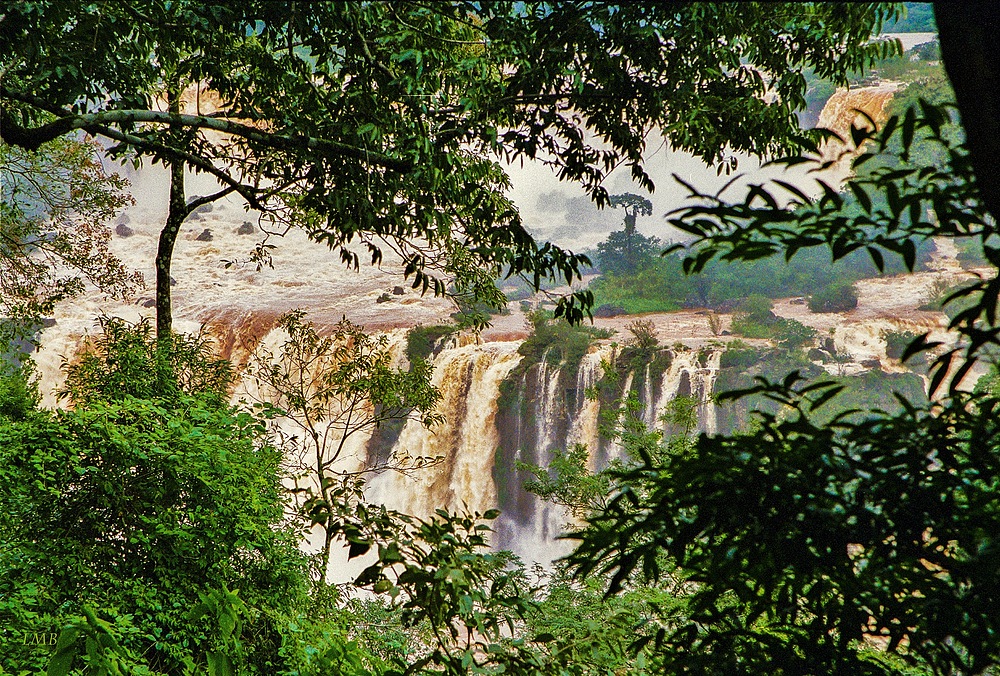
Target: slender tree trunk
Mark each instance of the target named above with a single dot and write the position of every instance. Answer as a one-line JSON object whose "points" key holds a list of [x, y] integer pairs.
{"points": [[629, 222], [631, 257], [176, 213]]}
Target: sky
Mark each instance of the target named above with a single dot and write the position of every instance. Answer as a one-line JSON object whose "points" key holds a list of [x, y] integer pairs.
{"points": [[564, 214]]}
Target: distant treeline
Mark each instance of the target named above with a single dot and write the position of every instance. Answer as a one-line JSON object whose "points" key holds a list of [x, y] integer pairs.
{"points": [[919, 19], [662, 286]]}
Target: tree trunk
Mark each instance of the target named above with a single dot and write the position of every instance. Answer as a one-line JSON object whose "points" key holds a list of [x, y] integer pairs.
{"points": [[176, 213], [968, 32], [629, 222]]}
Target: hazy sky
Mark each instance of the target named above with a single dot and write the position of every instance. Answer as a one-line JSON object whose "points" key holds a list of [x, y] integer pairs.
{"points": [[562, 213]]}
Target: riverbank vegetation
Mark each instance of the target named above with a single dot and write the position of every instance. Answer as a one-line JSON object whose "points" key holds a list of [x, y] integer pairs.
{"points": [[151, 527]]}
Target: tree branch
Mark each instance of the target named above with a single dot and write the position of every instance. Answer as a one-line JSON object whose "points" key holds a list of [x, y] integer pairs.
{"points": [[31, 139], [14, 134], [195, 203]]}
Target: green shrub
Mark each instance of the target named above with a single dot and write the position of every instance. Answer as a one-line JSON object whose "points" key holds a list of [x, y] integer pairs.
{"points": [[971, 253], [741, 358], [643, 334], [896, 343], [944, 298], [126, 360], [152, 526], [739, 355], [754, 318], [424, 341], [838, 297], [791, 334], [18, 391], [143, 509], [557, 342], [662, 286]]}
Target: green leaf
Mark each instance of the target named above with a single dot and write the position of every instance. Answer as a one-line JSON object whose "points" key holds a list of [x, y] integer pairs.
{"points": [[877, 258], [358, 548], [64, 653], [219, 664], [227, 624], [861, 195]]}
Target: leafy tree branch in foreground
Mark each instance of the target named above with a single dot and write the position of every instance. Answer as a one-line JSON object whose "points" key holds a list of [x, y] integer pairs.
{"points": [[373, 124]]}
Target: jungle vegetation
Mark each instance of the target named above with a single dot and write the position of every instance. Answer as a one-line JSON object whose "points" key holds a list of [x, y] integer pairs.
{"points": [[147, 528]]}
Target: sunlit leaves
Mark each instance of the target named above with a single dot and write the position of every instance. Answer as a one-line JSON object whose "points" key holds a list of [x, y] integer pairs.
{"points": [[887, 208], [55, 207]]}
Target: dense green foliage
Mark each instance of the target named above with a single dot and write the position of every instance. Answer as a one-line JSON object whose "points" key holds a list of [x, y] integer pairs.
{"points": [[919, 18], [662, 285], [753, 318], [424, 341], [839, 296], [555, 342], [626, 251], [859, 544], [150, 534], [138, 507], [413, 98], [798, 547], [123, 361]]}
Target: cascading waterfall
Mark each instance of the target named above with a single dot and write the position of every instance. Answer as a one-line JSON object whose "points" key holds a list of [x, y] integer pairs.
{"points": [[469, 379], [708, 412], [498, 417], [545, 407], [840, 112], [584, 427]]}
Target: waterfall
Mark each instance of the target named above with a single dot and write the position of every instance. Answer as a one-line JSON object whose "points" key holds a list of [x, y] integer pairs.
{"points": [[584, 426], [469, 379], [708, 412], [840, 112], [499, 415]]}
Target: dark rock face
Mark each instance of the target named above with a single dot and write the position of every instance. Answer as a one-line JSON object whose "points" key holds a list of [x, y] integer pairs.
{"points": [[384, 298], [247, 228], [205, 236], [149, 303], [818, 354], [123, 231], [606, 311], [397, 291]]}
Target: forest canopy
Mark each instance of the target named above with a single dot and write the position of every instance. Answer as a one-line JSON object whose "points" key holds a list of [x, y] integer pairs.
{"points": [[377, 123], [149, 528]]}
